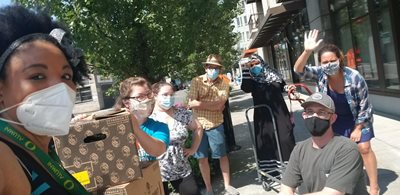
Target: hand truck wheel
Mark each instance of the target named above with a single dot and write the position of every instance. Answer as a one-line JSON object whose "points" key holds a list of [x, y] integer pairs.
{"points": [[266, 186]]}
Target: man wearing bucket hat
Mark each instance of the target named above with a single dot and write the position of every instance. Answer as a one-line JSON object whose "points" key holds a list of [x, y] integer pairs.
{"points": [[325, 163], [207, 97]]}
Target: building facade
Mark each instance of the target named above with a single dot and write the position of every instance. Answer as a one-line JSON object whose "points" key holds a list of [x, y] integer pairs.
{"points": [[241, 28], [365, 30], [240, 24], [91, 96]]}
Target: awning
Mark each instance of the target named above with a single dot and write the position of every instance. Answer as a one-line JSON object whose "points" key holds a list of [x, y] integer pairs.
{"points": [[275, 21]]}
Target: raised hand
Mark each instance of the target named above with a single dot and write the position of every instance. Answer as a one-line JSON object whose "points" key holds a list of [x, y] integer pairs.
{"points": [[310, 40]]}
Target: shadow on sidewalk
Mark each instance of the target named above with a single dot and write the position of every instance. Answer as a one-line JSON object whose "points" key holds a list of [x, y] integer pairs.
{"points": [[236, 92], [240, 106], [385, 177], [243, 170]]}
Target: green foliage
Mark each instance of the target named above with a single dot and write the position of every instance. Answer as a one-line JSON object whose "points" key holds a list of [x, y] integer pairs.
{"points": [[157, 38], [193, 161]]}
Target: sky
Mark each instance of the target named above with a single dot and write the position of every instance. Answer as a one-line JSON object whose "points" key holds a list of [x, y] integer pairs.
{"points": [[4, 2]]}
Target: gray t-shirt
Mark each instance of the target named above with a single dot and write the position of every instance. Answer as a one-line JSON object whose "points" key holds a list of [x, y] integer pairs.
{"points": [[338, 165]]}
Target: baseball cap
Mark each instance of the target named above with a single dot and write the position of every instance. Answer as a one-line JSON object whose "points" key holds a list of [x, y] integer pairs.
{"points": [[321, 99]]}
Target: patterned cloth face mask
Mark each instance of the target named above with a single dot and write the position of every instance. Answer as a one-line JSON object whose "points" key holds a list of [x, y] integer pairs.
{"points": [[142, 109], [331, 68]]}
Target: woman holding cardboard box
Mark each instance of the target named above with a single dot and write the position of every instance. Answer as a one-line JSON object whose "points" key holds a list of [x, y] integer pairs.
{"points": [[174, 165], [39, 70], [153, 136]]}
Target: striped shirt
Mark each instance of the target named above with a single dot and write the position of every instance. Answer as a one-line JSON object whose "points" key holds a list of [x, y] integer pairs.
{"points": [[355, 89], [202, 90]]}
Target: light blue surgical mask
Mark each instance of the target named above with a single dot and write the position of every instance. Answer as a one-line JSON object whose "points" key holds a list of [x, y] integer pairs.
{"points": [[256, 70], [166, 102], [212, 73]]}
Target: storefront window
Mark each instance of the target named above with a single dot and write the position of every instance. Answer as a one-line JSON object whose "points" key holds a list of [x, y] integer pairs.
{"points": [[295, 39], [339, 4], [365, 58], [347, 46], [358, 8], [295, 34], [390, 65], [282, 60], [341, 17], [364, 48]]}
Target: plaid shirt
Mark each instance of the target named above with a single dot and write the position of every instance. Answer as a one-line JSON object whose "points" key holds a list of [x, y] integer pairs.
{"points": [[355, 89], [202, 90]]}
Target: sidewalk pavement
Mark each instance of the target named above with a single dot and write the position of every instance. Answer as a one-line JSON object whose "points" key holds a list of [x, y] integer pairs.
{"points": [[386, 146]]}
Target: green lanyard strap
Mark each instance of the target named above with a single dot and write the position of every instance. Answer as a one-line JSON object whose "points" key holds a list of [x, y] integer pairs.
{"points": [[60, 175]]}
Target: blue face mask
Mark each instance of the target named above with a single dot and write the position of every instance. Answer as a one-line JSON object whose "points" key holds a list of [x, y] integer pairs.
{"points": [[212, 73], [166, 102], [256, 70]]}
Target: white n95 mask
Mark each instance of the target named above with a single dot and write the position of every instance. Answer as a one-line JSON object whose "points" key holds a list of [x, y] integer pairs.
{"points": [[46, 112]]}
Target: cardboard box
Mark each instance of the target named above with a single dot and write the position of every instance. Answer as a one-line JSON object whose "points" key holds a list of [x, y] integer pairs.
{"points": [[150, 184], [100, 153]]}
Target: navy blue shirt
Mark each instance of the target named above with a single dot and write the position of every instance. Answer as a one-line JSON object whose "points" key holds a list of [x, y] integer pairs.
{"points": [[345, 120]]}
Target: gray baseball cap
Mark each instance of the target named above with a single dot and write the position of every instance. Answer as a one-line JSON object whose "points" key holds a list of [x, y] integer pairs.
{"points": [[320, 98]]}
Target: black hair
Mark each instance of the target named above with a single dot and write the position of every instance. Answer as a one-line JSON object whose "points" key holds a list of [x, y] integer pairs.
{"points": [[17, 21]]}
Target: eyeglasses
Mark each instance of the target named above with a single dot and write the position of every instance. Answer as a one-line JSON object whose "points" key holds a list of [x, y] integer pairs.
{"points": [[320, 113], [140, 97]]}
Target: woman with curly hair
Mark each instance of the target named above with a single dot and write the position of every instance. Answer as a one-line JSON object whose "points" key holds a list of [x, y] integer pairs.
{"points": [[39, 70]]}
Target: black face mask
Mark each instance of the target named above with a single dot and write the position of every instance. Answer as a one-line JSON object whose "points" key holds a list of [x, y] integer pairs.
{"points": [[317, 126]]}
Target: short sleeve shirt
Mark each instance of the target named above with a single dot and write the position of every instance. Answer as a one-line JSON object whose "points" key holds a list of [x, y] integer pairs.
{"points": [[338, 165], [173, 164], [156, 130], [202, 90]]}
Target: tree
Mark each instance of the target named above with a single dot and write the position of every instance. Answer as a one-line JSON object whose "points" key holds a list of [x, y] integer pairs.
{"points": [[157, 38]]}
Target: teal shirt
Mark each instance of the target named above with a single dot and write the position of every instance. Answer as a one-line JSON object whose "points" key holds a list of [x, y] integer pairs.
{"points": [[156, 130]]}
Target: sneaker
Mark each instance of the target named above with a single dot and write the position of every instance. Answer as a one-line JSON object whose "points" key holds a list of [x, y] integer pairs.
{"points": [[230, 190]]}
